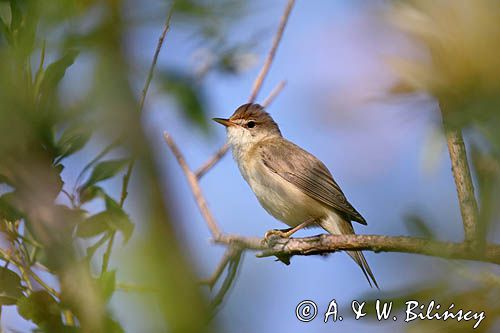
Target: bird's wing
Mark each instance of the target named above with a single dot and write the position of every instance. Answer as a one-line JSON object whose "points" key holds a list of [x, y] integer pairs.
{"points": [[307, 173]]}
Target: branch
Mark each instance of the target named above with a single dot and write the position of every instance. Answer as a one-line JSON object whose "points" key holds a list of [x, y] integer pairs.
{"points": [[462, 177], [285, 248], [463, 183], [230, 253], [166, 27], [212, 161], [130, 168], [275, 92], [323, 244], [195, 187], [256, 86], [270, 56], [234, 264], [4, 255]]}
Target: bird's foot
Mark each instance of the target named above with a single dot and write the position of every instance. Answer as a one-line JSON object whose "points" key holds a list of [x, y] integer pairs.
{"points": [[275, 234]]}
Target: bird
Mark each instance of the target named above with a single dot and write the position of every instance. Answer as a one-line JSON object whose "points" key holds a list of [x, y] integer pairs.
{"points": [[290, 183]]}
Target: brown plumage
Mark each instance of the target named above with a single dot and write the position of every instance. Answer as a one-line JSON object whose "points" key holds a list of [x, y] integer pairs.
{"points": [[290, 183]]}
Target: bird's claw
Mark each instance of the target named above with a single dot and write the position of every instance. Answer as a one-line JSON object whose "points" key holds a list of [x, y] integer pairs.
{"points": [[273, 235]]}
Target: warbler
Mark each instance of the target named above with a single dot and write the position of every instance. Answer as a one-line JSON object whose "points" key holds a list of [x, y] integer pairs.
{"points": [[290, 183]]}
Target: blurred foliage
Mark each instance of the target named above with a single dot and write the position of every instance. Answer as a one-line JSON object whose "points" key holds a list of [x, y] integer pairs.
{"points": [[187, 93], [456, 62], [52, 237]]}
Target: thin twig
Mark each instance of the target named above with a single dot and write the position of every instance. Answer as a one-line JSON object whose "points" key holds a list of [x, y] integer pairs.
{"points": [[166, 27], [24, 260], [123, 197], [42, 283], [234, 264], [212, 161], [195, 186], [107, 255], [270, 56], [462, 176], [463, 183], [256, 86], [228, 255], [4, 255], [274, 93], [126, 178], [324, 243]]}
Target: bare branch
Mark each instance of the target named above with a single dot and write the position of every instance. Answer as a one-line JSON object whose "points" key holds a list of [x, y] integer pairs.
{"points": [[228, 256], [4, 255], [166, 27], [195, 187], [275, 92], [463, 183], [462, 177], [270, 56], [212, 161], [324, 243], [256, 87], [130, 168], [234, 264]]}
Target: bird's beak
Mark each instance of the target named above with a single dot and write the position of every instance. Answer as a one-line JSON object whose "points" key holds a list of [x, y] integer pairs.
{"points": [[225, 122]]}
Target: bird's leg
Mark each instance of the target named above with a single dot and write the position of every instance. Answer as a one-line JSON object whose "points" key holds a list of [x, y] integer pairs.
{"points": [[286, 233]]}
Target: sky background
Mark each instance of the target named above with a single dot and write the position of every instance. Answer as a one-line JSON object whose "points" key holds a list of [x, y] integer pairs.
{"points": [[386, 153]]}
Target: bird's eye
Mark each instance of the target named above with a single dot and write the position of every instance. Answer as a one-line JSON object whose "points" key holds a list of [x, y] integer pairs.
{"points": [[251, 124]]}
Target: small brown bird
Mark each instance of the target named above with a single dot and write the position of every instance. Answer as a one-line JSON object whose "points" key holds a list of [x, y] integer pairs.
{"points": [[291, 184]]}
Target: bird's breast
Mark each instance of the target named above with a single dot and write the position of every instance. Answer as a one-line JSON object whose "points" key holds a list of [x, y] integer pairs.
{"points": [[279, 198]]}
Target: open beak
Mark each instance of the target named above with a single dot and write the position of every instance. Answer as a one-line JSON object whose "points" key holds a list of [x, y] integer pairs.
{"points": [[225, 122]]}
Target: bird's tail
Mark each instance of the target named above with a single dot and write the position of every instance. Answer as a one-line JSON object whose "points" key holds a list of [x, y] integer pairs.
{"points": [[337, 225]]}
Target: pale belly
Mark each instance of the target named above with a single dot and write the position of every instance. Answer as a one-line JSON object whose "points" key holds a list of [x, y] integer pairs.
{"points": [[280, 198]]}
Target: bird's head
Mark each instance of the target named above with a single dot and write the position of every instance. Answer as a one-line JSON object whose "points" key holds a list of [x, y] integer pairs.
{"points": [[248, 125]]}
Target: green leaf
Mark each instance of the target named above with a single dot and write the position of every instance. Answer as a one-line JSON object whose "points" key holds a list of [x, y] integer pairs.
{"points": [[112, 219], [188, 94], [105, 170], [107, 284], [10, 287], [8, 210], [68, 218], [42, 309], [91, 249], [5, 31], [89, 193], [120, 220], [56, 183], [94, 225], [54, 73], [16, 15], [72, 140]]}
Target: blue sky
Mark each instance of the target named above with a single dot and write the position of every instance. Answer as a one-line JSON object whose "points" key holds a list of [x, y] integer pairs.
{"points": [[335, 105]]}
